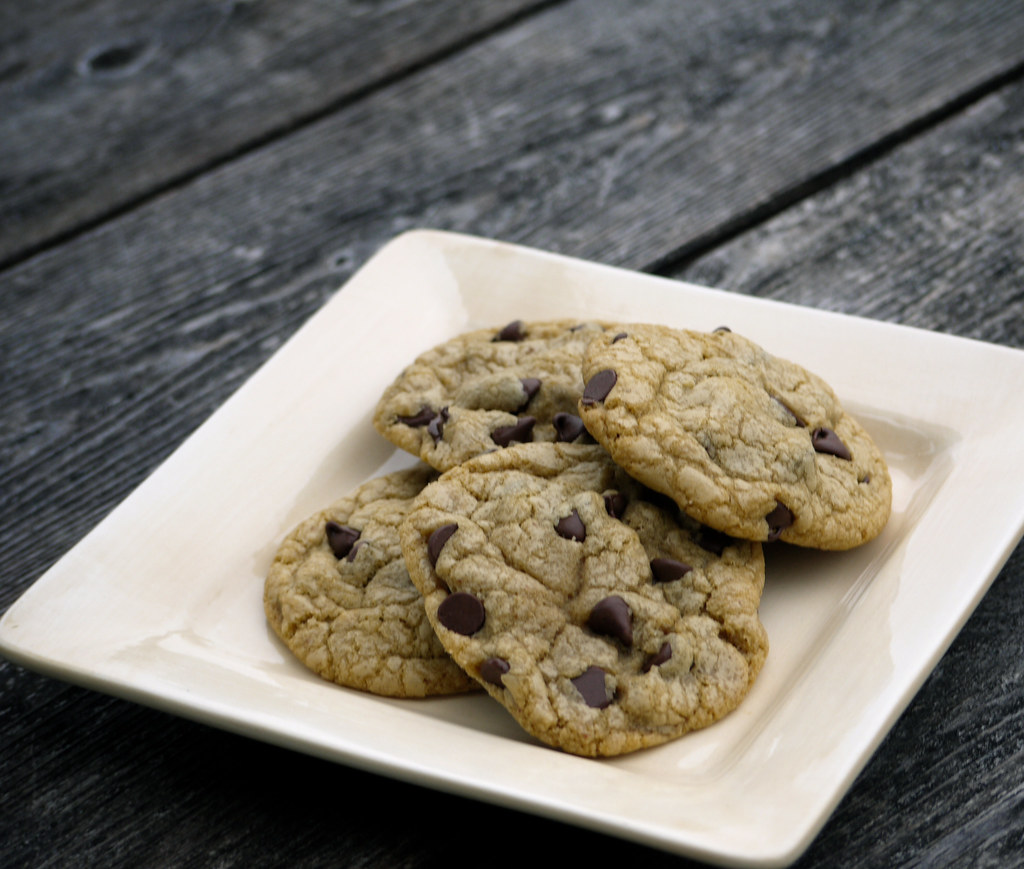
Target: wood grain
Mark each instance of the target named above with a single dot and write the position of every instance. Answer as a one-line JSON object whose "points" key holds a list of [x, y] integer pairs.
{"points": [[106, 102], [571, 131], [928, 236], [629, 135]]}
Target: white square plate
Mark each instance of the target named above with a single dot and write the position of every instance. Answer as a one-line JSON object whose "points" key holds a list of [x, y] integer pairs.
{"points": [[178, 623]]}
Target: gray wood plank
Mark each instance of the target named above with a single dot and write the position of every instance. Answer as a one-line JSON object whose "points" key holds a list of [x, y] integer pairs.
{"points": [[578, 124], [578, 130], [116, 345], [104, 102], [931, 237]]}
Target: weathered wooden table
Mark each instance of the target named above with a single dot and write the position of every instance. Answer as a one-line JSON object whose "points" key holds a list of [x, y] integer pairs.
{"points": [[183, 184]]}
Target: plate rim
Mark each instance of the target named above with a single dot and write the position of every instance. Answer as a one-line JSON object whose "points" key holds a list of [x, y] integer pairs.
{"points": [[784, 849]]}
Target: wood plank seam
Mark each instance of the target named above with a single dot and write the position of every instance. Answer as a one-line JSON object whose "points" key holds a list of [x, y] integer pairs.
{"points": [[268, 137], [699, 246]]}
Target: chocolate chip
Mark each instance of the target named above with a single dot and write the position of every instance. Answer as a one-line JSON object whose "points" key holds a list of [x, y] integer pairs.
{"points": [[722, 329], [355, 548], [422, 417], [462, 612], [778, 520], [571, 527], [612, 618], [599, 386], [435, 428], [668, 569], [340, 538], [619, 337], [659, 657], [437, 540], [492, 669], [514, 331], [615, 503], [568, 427], [521, 432], [824, 440], [865, 479], [590, 684], [531, 386]]}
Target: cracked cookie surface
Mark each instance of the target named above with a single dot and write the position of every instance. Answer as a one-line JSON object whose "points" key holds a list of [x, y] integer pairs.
{"points": [[340, 598], [747, 443], [488, 389], [603, 619]]}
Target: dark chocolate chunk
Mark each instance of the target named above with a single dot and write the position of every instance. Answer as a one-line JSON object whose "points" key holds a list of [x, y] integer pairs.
{"points": [[599, 386], [778, 520], [437, 540], [435, 428], [612, 617], [619, 337], [531, 386], [568, 427], [824, 440], [571, 527], [668, 569], [520, 432], [722, 329], [424, 416], [514, 331], [462, 612], [615, 503], [340, 538], [659, 657], [590, 684], [492, 669]]}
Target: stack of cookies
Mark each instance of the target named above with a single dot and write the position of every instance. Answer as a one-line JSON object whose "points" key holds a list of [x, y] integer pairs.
{"points": [[582, 537]]}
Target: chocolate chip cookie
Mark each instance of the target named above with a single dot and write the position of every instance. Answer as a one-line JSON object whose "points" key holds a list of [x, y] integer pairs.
{"points": [[601, 617], [747, 443], [488, 389], [339, 596]]}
